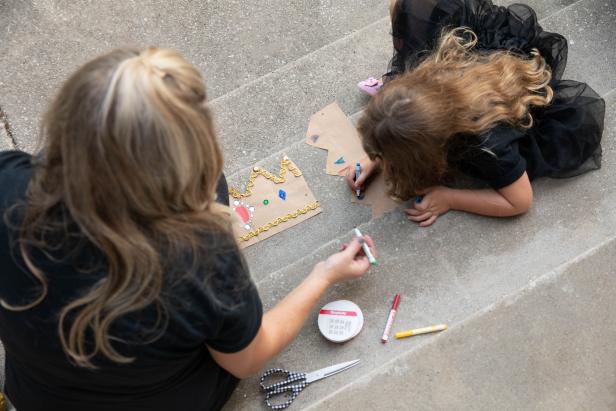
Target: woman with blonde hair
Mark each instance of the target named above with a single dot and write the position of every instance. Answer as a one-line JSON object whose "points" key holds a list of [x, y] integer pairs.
{"points": [[476, 88], [122, 287]]}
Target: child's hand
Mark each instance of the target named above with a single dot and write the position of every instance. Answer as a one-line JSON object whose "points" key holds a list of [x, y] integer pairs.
{"points": [[368, 168], [431, 203]]}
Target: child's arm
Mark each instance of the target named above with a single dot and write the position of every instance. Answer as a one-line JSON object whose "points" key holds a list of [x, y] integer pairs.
{"points": [[508, 201]]}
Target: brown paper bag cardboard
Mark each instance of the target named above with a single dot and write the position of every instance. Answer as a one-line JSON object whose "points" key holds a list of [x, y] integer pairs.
{"points": [[271, 203], [330, 129]]}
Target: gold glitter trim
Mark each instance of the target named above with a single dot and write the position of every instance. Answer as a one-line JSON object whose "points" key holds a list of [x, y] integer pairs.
{"points": [[310, 207], [285, 164]]}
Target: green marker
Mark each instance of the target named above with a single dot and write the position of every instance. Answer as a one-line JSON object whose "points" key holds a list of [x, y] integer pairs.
{"points": [[366, 248]]}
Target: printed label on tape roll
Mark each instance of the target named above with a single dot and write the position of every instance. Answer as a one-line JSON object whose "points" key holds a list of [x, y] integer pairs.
{"points": [[338, 312]]}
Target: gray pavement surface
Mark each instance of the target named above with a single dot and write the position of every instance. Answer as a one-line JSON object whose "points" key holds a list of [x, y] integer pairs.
{"points": [[590, 27], [267, 116], [446, 273], [6, 140], [548, 347], [234, 42], [269, 65], [330, 191]]}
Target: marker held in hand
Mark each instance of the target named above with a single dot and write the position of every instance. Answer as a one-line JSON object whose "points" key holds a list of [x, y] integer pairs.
{"points": [[366, 248]]}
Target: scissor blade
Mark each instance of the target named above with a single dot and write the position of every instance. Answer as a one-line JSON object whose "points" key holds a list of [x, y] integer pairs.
{"points": [[329, 371]]}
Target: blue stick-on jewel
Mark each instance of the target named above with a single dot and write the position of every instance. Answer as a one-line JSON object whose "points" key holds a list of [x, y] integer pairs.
{"points": [[282, 194]]}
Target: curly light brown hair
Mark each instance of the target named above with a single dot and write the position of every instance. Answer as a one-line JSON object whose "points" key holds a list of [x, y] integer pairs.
{"points": [[454, 91]]}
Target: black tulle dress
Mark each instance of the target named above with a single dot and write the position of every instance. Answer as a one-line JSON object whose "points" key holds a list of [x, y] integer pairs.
{"points": [[565, 139]]}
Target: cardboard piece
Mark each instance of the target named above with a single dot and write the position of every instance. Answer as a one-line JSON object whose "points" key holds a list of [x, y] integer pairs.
{"points": [[289, 202], [377, 198], [330, 129]]}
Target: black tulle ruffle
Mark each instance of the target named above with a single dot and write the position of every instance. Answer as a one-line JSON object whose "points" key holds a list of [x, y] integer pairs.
{"points": [[418, 24], [565, 139]]}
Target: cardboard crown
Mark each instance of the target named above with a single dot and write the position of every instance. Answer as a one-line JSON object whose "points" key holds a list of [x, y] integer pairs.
{"points": [[271, 203]]}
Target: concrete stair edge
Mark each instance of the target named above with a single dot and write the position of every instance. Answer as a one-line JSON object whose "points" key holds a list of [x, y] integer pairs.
{"points": [[549, 278], [281, 87], [553, 17], [293, 64], [449, 287], [344, 234]]}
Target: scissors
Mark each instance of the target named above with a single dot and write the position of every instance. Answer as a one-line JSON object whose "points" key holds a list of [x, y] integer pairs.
{"points": [[295, 382]]}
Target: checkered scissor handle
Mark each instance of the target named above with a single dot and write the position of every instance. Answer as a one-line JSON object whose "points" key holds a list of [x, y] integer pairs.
{"points": [[294, 383]]}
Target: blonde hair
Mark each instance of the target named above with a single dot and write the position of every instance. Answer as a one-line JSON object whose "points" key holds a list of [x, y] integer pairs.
{"points": [[456, 90], [130, 160]]}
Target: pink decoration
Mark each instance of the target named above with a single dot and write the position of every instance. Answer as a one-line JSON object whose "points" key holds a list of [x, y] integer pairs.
{"points": [[243, 212]]}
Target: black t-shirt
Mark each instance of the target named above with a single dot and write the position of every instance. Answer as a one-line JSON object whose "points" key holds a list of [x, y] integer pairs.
{"points": [[172, 372], [498, 158]]}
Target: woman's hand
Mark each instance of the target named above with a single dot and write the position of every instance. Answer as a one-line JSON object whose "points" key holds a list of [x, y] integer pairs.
{"points": [[349, 263], [368, 169], [429, 205]]}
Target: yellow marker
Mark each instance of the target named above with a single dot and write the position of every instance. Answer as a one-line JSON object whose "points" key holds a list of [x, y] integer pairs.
{"points": [[425, 330]]}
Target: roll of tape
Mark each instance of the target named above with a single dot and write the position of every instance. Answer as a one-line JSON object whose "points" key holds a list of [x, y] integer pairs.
{"points": [[340, 321]]}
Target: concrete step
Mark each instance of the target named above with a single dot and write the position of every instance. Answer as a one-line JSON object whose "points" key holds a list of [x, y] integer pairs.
{"points": [[548, 346], [233, 42], [268, 115], [446, 273], [338, 217], [6, 141], [339, 214], [450, 277], [267, 73]]}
